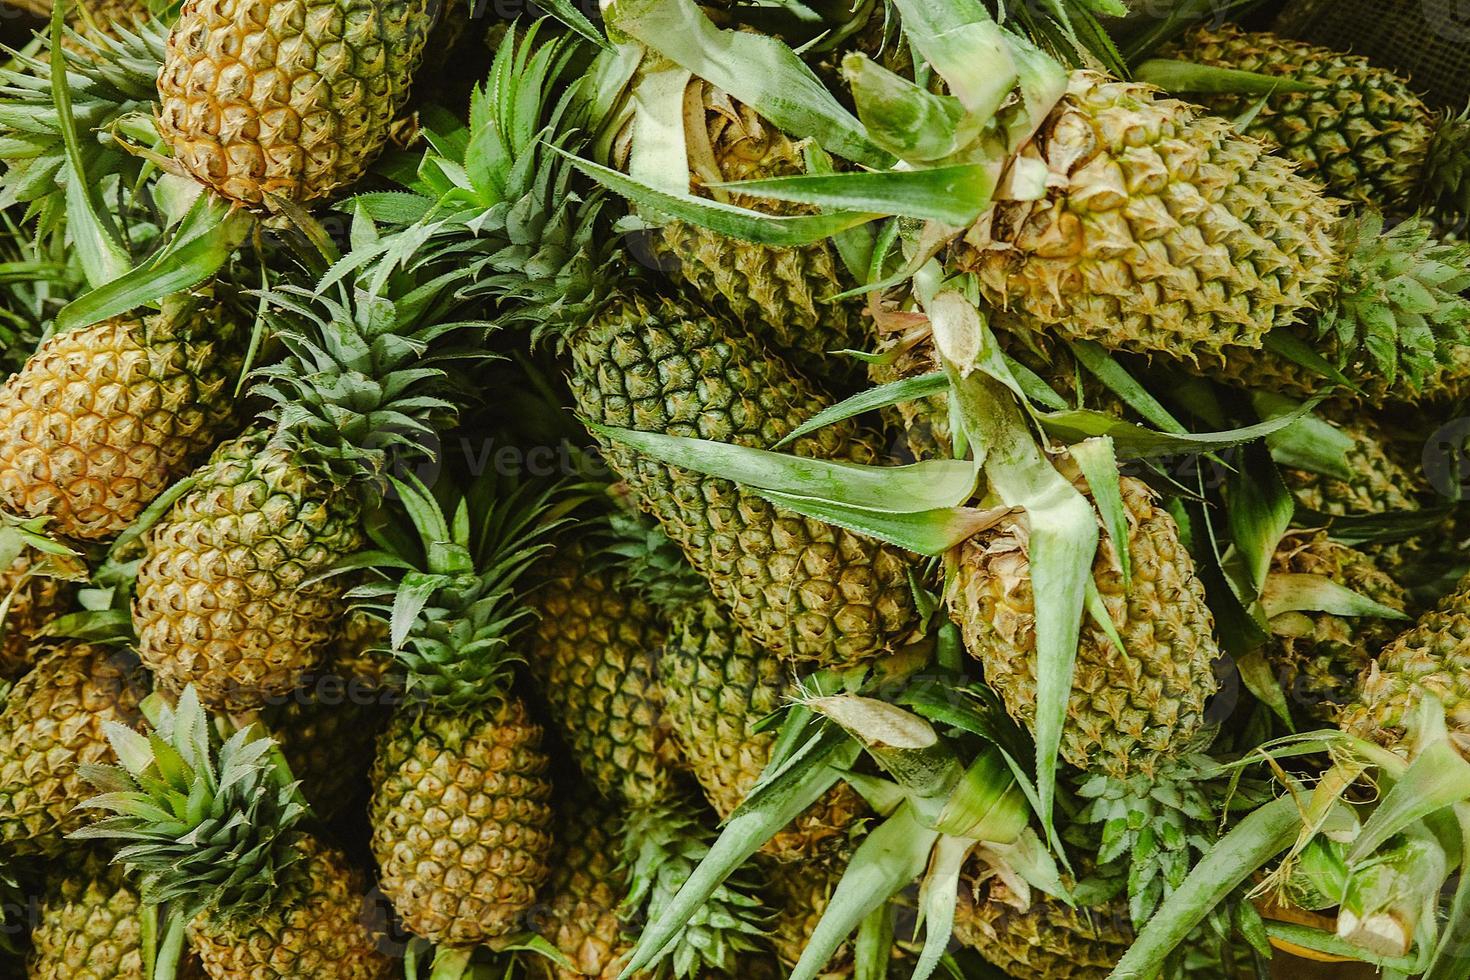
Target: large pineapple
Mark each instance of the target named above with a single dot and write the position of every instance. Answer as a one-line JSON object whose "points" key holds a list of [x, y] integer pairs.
{"points": [[230, 596], [1360, 130], [54, 720], [286, 98], [781, 294], [461, 796], [1130, 709], [1318, 656], [102, 419], [259, 897], [719, 684], [1039, 939], [1162, 229]]}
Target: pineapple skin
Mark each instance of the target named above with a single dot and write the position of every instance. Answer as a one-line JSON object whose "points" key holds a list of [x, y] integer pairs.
{"points": [[1047, 941], [461, 820], [719, 684], [103, 419], [35, 600], [579, 905], [1128, 712], [1166, 232], [319, 931], [1363, 133], [778, 293], [220, 601], [291, 98], [800, 894], [89, 927], [810, 592], [594, 663], [1319, 656], [328, 739], [1431, 657], [53, 721]]}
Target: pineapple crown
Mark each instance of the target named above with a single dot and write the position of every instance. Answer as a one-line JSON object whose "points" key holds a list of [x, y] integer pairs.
{"points": [[662, 847], [205, 826], [496, 197], [367, 364], [450, 591], [1399, 308], [108, 83]]}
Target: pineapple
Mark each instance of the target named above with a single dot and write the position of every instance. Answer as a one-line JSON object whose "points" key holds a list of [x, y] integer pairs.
{"points": [[1166, 232], [1420, 39], [286, 98], [460, 808], [719, 684], [780, 293], [53, 721], [800, 894], [580, 901], [1130, 710], [35, 598], [1039, 939], [1141, 245], [460, 816], [89, 927], [1428, 658], [1318, 656], [812, 593], [594, 655], [230, 596], [327, 738], [102, 419], [259, 897], [1361, 131]]}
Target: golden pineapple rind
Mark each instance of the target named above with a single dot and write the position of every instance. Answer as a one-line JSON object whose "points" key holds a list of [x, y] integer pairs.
{"points": [[1128, 711], [461, 820], [1164, 230], [291, 98], [53, 721], [221, 599], [88, 926], [101, 420], [323, 931], [579, 913]]}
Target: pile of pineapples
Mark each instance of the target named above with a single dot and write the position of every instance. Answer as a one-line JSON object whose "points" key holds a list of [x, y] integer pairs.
{"points": [[769, 488]]}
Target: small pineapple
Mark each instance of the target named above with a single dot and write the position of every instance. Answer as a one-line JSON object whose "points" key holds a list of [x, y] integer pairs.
{"points": [[1130, 709], [460, 809], [102, 419], [55, 720], [781, 294], [1041, 938], [286, 98], [260, 898], [1361, 131], [35, 598], [719, 684], [230, 594], [1318, 656]]}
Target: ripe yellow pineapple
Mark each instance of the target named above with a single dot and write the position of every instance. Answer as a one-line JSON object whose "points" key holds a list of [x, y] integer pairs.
{"points": [[1129, 709], [102, 419], [53, 721], [291, 98]]}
